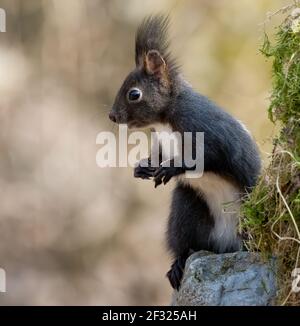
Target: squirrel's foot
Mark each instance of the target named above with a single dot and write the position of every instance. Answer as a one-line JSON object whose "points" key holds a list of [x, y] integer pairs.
{"points": [[176, 272]]}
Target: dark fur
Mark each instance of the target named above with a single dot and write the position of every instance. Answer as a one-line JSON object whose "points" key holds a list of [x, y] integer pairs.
{"points": [[229, 150], [152, 34]]}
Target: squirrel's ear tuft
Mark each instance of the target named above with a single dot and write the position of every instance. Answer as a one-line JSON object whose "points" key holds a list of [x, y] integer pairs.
{"points": [[152, 46], [154, 63]]}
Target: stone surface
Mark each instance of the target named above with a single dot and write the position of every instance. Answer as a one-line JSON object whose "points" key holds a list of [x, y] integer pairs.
{"points": [[240, 278]]}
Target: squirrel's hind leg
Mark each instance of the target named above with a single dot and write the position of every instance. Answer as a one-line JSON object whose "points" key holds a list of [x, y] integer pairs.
{"points": [[189, 227]]}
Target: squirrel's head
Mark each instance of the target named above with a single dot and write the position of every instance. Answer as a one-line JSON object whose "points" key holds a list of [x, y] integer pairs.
{"points": [[146, 92]]}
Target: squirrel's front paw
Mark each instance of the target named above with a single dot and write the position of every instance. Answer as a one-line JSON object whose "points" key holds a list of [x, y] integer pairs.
{"points": [[142, 171], [164, 174]]}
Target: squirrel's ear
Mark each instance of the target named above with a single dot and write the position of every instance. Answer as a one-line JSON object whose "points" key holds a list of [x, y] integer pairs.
{"points": [[154, 63]]}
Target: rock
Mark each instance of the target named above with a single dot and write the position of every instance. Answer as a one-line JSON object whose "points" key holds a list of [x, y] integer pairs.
{"points": [[232, 279]]}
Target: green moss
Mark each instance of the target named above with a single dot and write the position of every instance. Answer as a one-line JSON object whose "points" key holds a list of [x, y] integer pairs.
{"points": [[285, 99], [271, 213]]}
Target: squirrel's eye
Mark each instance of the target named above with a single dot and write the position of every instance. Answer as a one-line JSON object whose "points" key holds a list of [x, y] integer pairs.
{"points": [[134, 95]]}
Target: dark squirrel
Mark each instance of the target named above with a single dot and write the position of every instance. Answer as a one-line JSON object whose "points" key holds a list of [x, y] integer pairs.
{"points": [[156, 93]]}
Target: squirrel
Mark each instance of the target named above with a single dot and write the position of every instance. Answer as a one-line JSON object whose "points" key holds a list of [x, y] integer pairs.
{"points": [[156, 93]]}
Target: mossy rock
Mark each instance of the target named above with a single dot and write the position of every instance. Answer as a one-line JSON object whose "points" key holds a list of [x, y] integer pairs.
{"points": [[232, 279]]}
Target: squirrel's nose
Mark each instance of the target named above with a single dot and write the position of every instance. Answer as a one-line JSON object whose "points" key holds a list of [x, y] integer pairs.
{"points": [[112, 117]]}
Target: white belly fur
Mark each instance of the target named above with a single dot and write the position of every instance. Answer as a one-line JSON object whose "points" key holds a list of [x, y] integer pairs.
{"points": [[223, 199]]}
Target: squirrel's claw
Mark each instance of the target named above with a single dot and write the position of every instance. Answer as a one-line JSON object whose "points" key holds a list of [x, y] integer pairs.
{"points": [[162, 175], [176, 272], [143, 172], [159, 174]]}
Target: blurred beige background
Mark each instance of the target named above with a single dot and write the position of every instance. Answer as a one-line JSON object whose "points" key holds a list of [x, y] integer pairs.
{"points": [[70, 232]]}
